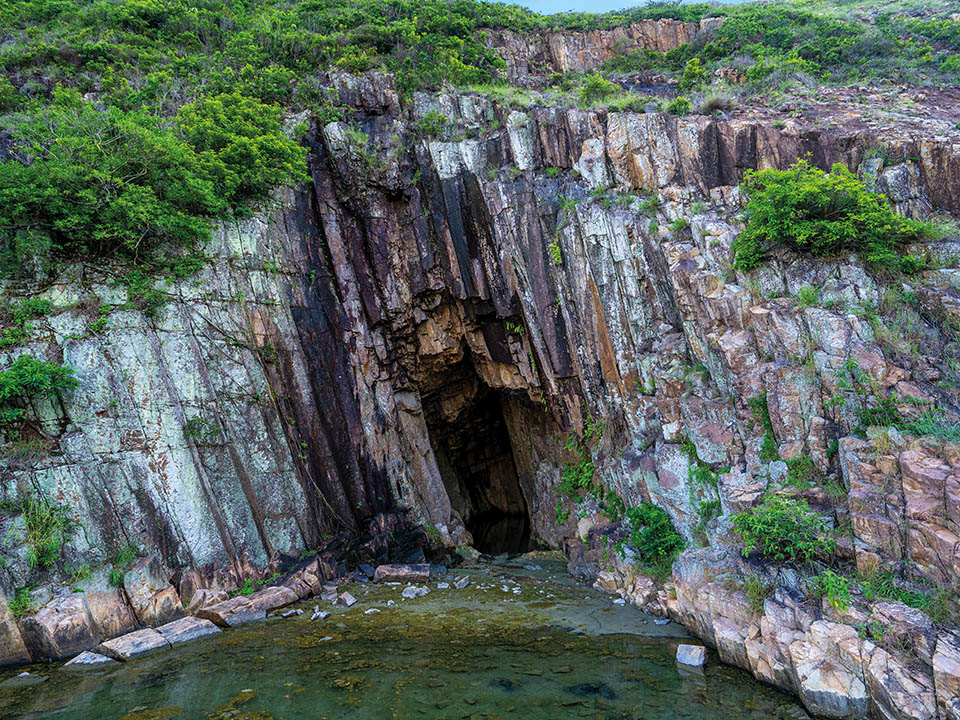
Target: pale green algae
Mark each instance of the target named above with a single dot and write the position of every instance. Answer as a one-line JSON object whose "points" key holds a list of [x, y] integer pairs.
{"points": [[555, 649]]}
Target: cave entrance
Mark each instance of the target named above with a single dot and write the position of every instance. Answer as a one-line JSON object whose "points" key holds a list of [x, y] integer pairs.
{"points": [[472, 445]]}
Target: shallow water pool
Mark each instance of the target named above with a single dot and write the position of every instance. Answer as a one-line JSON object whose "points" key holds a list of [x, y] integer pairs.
{"points": [[518, 642]]}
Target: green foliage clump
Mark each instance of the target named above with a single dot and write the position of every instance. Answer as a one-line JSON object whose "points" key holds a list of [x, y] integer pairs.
{"points": [[785, 530], [761, 414], [48, 528], [680, 105], [802, 472], [694, 75], [16, 320], [807, 296], [653, 536], [757, 591], [596, 88], [27, 380], [121, 562], [21, 604], [431, 124], [240, 145], [822, 214], [833, 586]]}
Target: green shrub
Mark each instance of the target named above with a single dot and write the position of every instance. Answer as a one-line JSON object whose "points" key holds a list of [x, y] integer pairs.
{"points": [[807, 296], [822, 214], [653, 536], [835, 587], [121, 562], [29, 379], [783, 529], [761, 414], [802, 472], [757, 591], [48, 527], [431, 124], [694, 75], [18, 328], [21, 604], [596, 88], [680, 105], [241, 145]]}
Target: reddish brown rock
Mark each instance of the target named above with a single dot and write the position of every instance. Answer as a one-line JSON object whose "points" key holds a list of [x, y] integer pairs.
{"points": [[59, 629], [241, 610], [152, 597], [402, 573]]}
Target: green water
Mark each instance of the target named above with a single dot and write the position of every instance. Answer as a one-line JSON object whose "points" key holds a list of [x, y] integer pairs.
{"points": [[553, 649]]}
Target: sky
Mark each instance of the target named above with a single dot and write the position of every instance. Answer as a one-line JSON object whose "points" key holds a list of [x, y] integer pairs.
{"points": [[554, 6]]}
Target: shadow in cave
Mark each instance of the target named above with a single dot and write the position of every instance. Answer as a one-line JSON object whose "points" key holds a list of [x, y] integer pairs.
{"points": [[472, 444]]}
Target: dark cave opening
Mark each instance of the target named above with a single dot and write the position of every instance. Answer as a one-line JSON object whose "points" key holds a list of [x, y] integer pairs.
{"points": [[472, 445]]}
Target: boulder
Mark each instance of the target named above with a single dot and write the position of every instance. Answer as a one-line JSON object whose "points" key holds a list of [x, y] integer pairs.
{"points": [[107, 607], [13, 651], [152, 597], [243, 609], [692, 655], [60, 628], [186, 629], [306, 581], [402, 573], [131, 645], [825, 686], [205, 598], [89, 660]]}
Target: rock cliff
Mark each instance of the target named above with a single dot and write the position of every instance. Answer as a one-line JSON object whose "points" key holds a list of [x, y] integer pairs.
{"points": [[424, 325]]}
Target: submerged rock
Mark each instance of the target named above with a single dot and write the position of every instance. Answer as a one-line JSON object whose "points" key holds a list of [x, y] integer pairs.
{"points": [[692, 655], [88, 659], [186, 630], [139, 642]]}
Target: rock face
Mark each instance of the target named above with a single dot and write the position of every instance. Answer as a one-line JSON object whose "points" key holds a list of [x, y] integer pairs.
{"points": [[422, 331]]}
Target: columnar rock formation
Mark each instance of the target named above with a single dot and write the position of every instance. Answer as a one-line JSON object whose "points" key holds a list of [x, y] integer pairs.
{"points": [[424, 324]]}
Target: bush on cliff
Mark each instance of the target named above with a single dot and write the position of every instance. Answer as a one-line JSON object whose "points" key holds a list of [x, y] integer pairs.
{"points": [[102, 181], [653, 536], [785, 530], [824, 214], [29, 379]]}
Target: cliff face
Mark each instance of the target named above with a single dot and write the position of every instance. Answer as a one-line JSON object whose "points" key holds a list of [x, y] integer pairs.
{"points": [[425, 324]]}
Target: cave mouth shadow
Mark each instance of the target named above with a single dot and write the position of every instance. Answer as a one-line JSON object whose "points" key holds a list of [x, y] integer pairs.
{"points": [[471, 441]]}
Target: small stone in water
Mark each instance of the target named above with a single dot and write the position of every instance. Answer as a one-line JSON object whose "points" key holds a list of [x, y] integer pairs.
{"points": [[662, 621], [461, 582], [619, 601], [371, 610], [442, 586], [692, 655], [346, 599], [319, 615]]}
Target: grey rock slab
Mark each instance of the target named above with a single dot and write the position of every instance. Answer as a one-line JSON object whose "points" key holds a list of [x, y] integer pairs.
{"points": [[461, 582], [134, 644], [692, 655], [24, 678], [319, 615], [87, 660], [411, 573], [347, 600], [187, 629]]}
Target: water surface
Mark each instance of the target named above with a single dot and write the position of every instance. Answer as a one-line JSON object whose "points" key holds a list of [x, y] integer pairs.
{"points": [[518, 643]]}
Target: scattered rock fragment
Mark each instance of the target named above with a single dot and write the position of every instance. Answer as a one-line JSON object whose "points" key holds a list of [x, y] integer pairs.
{"points": [[88, 659], [131, 645], [461, 582], [186, 630], [692, 655], [347, 600], [413, 591]]}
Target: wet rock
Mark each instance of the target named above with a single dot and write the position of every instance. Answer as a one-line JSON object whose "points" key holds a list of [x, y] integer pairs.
{"points": [[59, 629], [402, 573], [131, 645], [692, 655], [89, 660], [153, 599], [412, 591], [13, 651], [241, 610], [22, 680], [186, 630], [205, 598], [347, 600]]}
